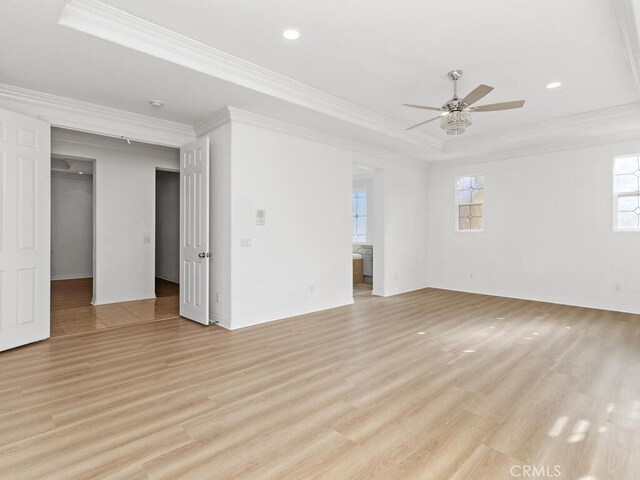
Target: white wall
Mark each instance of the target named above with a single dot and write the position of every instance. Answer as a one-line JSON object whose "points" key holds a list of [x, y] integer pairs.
{"points": [[124, 178], [405, 229], [168, 225], [71, 226], [547, 231], [300, 261]]}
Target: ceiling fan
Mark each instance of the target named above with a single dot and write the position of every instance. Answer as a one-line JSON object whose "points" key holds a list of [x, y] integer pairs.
{"points": [[454, 114]]}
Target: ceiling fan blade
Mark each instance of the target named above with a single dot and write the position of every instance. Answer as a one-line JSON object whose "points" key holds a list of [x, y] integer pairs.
{"points": [[476, 94], [426, 121], [424, 107], [493, 107]]}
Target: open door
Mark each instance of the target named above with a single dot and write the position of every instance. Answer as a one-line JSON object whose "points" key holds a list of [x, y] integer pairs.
{"points": [[194, 231], [25, 200]]}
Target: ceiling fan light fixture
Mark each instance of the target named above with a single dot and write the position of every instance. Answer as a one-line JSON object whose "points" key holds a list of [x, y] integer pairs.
{"points": [[454, 115], [455, 122]]}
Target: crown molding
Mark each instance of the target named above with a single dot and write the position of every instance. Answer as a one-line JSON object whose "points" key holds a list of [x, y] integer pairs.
{"points": [[87, 117], [117, 26], [76, 137], [608, 125], [212, 122], [539, 149], [626, 17], [236, 115], [605, 126]]}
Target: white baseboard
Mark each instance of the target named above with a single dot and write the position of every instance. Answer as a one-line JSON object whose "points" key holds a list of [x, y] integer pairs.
{"points": [[282, 315], [557, 300], [103, 301], [70, 277], [219, 320], [177, 282], [384, 293]]}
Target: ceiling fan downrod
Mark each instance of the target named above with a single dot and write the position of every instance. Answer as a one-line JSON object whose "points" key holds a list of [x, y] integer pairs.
{"points": [[455, 75]]}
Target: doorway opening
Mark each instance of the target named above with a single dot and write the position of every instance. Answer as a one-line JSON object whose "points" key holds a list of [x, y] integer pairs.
{"points": [[105, 188], [72, 243], [167, 235], [362, 208]]}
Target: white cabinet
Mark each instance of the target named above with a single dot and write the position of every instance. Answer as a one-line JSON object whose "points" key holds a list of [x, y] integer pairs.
{"points": [[367, 261]]}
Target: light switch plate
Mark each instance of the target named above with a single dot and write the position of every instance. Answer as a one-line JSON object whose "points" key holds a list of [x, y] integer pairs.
{"points": [[245, 242], [261, 217]]}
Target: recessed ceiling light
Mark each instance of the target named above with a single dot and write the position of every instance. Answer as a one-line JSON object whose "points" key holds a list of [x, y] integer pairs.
{"points": [[291, 34], [554, 85], [80, 173], [156, 103]]}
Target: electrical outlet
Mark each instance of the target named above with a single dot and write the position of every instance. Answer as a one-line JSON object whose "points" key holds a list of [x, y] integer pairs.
{"points": [[217, 296], [617, 286]]}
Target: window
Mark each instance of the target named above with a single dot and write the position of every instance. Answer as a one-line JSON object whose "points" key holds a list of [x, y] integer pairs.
{"points": [[626, 187], [469, 199], [359, 212]]}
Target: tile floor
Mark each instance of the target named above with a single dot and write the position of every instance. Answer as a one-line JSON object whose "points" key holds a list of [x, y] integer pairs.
{"points": [[79, 316], [362, 292]]}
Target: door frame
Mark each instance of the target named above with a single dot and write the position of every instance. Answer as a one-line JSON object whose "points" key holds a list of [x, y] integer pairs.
{"points": [[155, 225]]}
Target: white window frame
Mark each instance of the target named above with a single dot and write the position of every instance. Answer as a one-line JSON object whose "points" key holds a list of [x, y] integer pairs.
{"points": [[457, 212], [366, 191], [616, 195]]}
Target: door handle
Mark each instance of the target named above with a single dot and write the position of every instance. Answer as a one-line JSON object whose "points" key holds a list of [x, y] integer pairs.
{"points": [[204, 255]]}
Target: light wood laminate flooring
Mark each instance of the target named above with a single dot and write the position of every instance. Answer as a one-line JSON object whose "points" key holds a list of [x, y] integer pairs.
{"points": [[431, 384]]}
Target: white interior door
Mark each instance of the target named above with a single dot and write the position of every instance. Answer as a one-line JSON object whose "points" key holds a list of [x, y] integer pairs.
{"points": [[194, 231], [25, 202]]}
